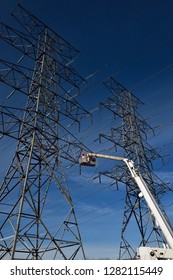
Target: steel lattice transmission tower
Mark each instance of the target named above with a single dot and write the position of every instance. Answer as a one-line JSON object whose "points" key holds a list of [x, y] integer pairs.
{"points": [[129, 135], [37, 218]]}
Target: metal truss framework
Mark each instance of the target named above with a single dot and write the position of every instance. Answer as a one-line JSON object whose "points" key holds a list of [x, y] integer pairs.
{"points": [[131, 138], [45, 134]]}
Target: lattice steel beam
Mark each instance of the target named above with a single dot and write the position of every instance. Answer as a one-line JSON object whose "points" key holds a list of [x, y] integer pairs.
{"points": [[45, 133], [131, 138]]}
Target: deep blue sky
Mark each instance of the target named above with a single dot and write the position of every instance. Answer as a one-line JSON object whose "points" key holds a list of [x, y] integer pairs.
{"points": [[133, 41]]}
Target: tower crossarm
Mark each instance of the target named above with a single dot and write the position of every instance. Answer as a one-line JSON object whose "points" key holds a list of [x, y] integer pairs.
{"points": [[33, 27]]}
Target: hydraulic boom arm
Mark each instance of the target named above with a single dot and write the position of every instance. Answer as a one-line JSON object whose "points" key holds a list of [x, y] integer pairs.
{"points": [[152, 204]]}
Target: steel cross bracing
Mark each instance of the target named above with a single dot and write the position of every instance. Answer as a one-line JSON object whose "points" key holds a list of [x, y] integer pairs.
{"points": [[131, 137], [35, 184]]}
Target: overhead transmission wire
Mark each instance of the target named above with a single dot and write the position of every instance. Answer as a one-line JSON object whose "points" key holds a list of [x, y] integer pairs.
{"points": [[146, 79], [132, 61], [135, 59], [87, 195], [77, 202], [97, 210], [152, 76], [56, 196], [93, 210], [51, 200], [147, 38]]}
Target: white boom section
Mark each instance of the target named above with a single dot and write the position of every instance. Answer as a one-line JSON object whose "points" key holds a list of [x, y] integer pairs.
{"points": [[152, 204]]}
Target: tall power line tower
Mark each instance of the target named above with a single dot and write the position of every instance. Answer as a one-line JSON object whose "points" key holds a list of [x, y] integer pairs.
{"points": [[129, 136], [37, 217]]}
